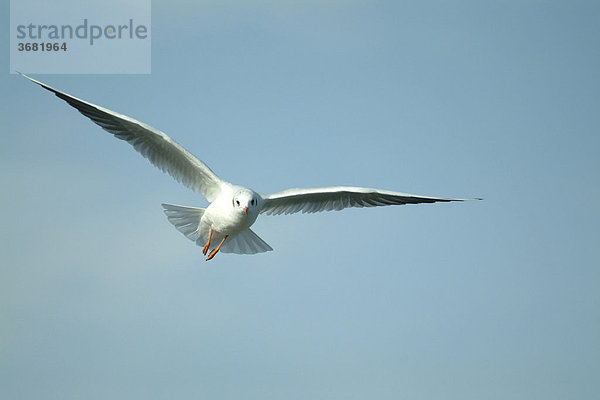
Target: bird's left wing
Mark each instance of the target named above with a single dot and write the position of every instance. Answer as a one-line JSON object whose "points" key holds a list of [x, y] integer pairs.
{"points": [[311, 200], [160, 149]]}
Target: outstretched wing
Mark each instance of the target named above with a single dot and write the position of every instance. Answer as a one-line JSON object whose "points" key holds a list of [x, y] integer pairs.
{"points": [[311, 200], [160, 149]]}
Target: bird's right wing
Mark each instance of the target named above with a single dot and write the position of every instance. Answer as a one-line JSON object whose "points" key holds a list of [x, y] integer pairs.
{"points": [[160, 149]]}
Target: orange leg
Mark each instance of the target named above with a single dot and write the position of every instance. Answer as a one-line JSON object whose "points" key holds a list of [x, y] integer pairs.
{"points": [[207, 245], [216, 249]]}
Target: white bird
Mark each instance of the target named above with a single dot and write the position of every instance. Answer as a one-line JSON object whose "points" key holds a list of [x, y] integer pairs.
{"points": [[225, 224]]}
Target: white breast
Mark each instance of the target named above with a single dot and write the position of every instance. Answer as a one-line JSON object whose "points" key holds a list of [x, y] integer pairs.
{"points": [[225, 218]]}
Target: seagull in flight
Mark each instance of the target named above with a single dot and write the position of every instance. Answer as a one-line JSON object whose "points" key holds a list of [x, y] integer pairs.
{"points": [[225, 224]]}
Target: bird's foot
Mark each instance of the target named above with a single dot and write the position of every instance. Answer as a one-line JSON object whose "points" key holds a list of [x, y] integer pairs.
{"points": [[216, 249], [212, 254], [207, 245]]}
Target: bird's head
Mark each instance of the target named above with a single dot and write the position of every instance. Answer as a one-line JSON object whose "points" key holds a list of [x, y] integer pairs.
{"points": [[247, 202]]}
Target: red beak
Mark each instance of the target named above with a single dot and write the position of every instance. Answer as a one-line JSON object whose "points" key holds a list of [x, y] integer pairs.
{"points": [[246, 209]]}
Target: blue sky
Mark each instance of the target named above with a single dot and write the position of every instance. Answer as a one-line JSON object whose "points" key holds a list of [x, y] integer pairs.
{"points": [[102, 298]]}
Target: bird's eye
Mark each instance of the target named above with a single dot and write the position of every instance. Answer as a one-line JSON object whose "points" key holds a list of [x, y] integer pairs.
{"points": [[237, 202], [252, 202]]}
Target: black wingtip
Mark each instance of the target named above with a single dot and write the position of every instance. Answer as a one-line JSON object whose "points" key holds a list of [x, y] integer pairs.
{"points": [[30, 78], [23, 75], [47, 87], [471, 199]]}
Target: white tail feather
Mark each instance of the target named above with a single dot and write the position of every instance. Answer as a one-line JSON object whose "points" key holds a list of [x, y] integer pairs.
{"points": [[185, 219], [245, 242], [188, 220]]}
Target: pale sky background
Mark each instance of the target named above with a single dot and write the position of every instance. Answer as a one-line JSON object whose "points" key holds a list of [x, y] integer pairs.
{"points": [[101, 298]]}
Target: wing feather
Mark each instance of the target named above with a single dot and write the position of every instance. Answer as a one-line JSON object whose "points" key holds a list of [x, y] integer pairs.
{"points": [[311, 200], [156, 146]]}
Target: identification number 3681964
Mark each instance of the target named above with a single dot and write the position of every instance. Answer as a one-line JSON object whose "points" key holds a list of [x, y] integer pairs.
{"points": [[42, 46]]}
